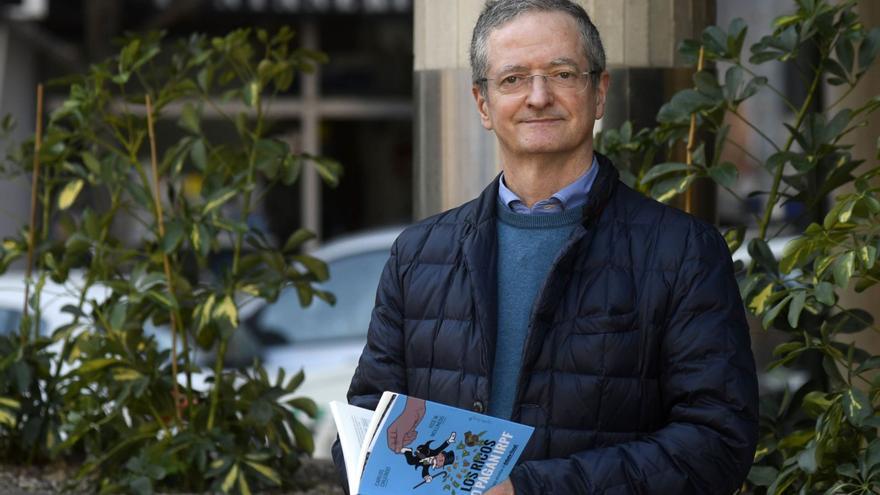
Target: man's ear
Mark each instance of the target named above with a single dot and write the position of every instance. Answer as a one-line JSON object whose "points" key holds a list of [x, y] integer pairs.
{"points": [[601, 93], [482, 106]]}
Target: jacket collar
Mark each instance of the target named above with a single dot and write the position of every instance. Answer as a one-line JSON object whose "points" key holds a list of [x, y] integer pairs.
{"points": [[482, 211]]}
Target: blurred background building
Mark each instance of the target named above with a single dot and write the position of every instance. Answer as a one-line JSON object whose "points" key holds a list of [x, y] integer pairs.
{"points": [[357, 109]]}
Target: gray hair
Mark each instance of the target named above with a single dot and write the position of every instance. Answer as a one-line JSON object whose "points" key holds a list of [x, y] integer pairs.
{"points": [[496, 13]]}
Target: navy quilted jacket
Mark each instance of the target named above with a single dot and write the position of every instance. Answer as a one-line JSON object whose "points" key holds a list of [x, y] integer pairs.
{"points": [[637, 371]]}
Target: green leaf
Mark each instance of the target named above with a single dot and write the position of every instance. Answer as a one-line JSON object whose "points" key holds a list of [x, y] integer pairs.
{"points": [[251, 93], [199, 155], [798, 301], [736, 34], [824, 293], [243, 486], [218, 198], [303, 436], [867, 256], [734, 237], [266, 471], [91, 162], [807, 459], [7, 419], [666, 189], [304, 404], [843, 269], [770, 315], [189, 119], [758, 302], [69, 193], [869, 47], [329, 170], [786, 20], [724, 174], [662, 169], [230, 478], [296, 239], [173, 236], [849, 321], [732, 81], [226, 309], [97, 365], [845, 53], [125, 374], [857, 406], [762, 255], [691, 101], [715, 41], [872, 454], [815, 403], [315, 266]]}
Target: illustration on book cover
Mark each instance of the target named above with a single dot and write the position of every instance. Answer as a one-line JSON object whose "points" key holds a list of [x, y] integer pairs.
{"points": [[429, 445]]}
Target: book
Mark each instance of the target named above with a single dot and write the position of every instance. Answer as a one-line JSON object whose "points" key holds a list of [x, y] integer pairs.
{"points": [[410, 445]]}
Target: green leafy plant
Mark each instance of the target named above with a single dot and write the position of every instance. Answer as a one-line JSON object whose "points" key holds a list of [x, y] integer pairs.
{"points": [[99, 390], [821, 437]]}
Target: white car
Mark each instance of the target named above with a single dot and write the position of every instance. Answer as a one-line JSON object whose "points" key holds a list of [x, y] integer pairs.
{"points": [[325, 341]]}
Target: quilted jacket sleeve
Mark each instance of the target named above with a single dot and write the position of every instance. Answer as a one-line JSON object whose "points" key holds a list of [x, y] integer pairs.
{"points": [[380, 367], [709, 390]]}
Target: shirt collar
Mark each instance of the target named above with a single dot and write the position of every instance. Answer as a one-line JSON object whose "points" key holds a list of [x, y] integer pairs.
{"points": [[571, 196]]}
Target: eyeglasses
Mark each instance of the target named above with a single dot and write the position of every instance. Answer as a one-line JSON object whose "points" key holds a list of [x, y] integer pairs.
{"points": [[517, 84]]}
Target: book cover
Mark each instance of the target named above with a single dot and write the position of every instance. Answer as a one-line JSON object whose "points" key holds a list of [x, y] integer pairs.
{"points": [[427, 448]]}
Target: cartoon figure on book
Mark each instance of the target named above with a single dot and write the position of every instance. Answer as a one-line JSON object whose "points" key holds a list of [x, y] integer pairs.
{"points": [[425, 457], [562, 299]]}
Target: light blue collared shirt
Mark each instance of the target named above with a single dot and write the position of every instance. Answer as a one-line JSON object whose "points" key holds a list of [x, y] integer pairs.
{"points": [[571, 196]]}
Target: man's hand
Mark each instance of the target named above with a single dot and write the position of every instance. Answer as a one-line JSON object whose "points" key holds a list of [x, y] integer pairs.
{"points": [[428, 479], [505, 488]]}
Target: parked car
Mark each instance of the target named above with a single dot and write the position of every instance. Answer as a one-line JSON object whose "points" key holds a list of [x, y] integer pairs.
{"points": [[325, 341]]}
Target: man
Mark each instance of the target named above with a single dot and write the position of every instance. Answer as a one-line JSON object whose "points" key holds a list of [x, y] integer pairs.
{"points": [[562, 299]]}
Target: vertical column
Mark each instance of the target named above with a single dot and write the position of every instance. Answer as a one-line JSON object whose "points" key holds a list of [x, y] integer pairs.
{"points": [[455, 157], [18, 82], [311, 139]]}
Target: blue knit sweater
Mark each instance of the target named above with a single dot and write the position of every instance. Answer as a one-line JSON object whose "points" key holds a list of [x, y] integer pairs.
{"points": [[527, 246]]}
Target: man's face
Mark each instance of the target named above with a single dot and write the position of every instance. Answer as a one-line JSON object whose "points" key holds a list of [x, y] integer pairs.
{"points": [[439, 460], [543, 119]]}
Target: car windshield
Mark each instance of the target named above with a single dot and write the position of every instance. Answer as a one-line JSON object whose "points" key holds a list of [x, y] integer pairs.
{"points": [[353, 280]]}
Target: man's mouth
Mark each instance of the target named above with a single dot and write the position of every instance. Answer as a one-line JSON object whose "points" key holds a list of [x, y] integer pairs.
{"points": [[541, 121]]}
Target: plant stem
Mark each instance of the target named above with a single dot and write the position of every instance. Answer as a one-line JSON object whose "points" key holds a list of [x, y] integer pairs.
{"points": [[236, 255], [777, 178], [32, 233], [215, 389], [160, 222], [692, 143]]}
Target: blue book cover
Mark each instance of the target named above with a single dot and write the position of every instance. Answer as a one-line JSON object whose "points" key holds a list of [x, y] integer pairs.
{"points": [[426, 448]]}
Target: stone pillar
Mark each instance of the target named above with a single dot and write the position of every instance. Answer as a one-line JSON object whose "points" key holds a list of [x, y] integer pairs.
{"points": [[18, 83], [455, 157]]}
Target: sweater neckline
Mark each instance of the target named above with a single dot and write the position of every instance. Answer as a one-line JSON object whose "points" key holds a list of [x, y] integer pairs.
{"points": [[530, 221]]}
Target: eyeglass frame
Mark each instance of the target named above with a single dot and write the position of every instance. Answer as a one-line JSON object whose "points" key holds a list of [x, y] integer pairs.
{"points": [[590, 75]]}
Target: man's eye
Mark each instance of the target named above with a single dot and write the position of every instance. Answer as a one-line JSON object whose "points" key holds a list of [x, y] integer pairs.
{"points": [[564, 75], [511, 80]]}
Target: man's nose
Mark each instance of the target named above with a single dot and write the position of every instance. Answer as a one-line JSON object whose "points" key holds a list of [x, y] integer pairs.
{"points": [[539, 94]]}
